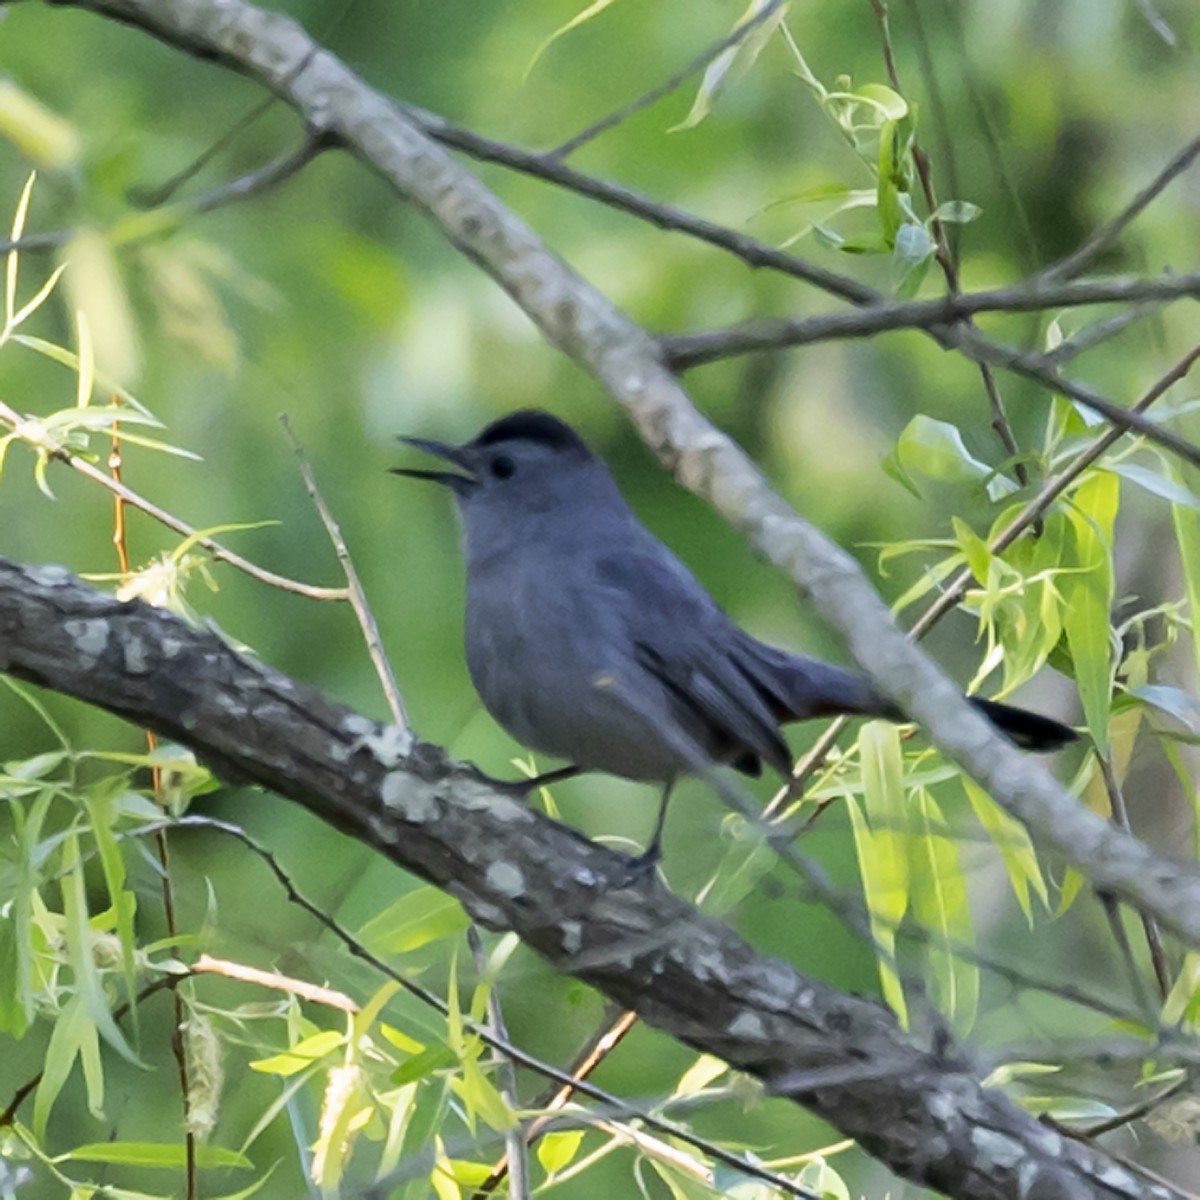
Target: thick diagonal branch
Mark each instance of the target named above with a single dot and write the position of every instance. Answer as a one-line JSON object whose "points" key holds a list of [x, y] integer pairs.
{"points": [[922, 1112]]}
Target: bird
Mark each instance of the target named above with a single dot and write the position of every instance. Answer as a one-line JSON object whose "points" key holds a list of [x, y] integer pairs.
{"points": [[588, 640]]}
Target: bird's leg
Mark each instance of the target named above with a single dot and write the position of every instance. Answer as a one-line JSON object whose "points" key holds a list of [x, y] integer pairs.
{"points": [[648, 859], [522, 787]]}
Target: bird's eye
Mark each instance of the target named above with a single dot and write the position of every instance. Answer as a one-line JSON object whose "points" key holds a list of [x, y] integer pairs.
{"points": [[502, 466]]}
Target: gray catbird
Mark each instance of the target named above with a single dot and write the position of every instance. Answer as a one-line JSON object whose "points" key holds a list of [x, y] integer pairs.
{"points": [[588, 640]]}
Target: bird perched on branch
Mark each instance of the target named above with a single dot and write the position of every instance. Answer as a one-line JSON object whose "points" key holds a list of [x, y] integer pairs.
{"points": [[588, 640]]}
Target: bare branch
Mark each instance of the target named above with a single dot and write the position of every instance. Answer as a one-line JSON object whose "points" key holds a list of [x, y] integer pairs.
{"points": [[357, 594], [1107, 234], [684, 351]]}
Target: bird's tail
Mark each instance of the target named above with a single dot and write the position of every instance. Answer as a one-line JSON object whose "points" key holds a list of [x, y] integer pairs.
{"points": [[1029, 730], [800, 688]]}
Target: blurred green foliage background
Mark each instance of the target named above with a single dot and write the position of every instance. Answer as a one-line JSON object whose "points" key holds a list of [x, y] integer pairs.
{"points": [[330, 301]]}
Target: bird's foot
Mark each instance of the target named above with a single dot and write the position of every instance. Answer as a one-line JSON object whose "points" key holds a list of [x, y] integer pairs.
{"points": [[640, 867], [520, 788]]}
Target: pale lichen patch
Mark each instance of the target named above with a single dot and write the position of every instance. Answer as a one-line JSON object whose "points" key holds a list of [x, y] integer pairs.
{"points": [[49, 574], [412, 800], [135, 656], [747, 1025], [90, 637], [506, 879], [996, 1150], [572, 937]]}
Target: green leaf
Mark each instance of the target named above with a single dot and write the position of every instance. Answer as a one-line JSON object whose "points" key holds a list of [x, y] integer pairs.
{"points": [[423, 915], [436, 1058], [957, 212], [171, 1155], [1087, 594], [61, 1052], [891, 105], [81, 952], [580, 18], [823, 1181], [938, 892], [882, 859], [556, 1150], [1181, 705], [1186, 521], [123, 901], [303, 1054], [731, 63], [1155, 482], [699, 1075], [1016, 849], [936, 450]]}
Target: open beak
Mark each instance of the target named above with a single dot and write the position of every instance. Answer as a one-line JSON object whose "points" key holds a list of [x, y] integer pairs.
{"points": [[458, 456]]}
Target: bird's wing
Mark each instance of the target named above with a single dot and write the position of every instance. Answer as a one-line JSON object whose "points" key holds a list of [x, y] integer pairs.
{"points": [[681, 637]]}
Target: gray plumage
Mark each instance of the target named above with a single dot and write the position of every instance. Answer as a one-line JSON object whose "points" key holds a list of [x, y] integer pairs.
{"points": [[588, 640]]}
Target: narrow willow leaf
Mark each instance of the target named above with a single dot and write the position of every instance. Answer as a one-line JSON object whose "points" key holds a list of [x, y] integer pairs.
{"points": [[874, 868], [436, 1058], [938, 892], [170, 1155], [1087, 594], [731, 63], [699, 1075], [580, 18], [481, 1097], [13, 260], [38, 132], [61, 1053], [419, 917], [123, 901], [1016, 850], [81, 951], [1186, 521], [301, 1055], [1156, 483], [95, 286], [366, 1016]]}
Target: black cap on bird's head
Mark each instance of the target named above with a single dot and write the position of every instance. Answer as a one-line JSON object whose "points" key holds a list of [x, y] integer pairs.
{"points": [[496, 451]]}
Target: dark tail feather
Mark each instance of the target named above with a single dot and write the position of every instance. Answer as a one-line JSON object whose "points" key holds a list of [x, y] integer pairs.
{"points": [[1026, 729], [797, 689]]}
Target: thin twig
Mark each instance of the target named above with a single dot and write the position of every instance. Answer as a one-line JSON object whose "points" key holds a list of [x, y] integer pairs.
{"points": [[1093, 334], [1136, 1112], [1067, 267], [1120, 815], [354, 589], [516, 1154], [155, 197], [252, 184], [654, 95], [599, 1047], [13, 420], [243, 973]]}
